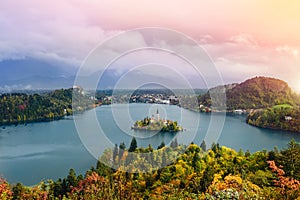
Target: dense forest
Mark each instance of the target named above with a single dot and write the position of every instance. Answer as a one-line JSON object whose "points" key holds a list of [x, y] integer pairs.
{"points": [[282, 117], [198, 173], [255, 93], [270, 102], [19, 108]]}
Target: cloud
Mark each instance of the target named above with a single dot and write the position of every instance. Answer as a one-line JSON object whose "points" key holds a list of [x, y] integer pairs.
{"points": [[50, 31], [294, 51], [243, 38], [69, 29], [10, 88], [243, 56]]}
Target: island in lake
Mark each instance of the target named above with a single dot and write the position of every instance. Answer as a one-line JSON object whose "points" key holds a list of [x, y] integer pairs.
{"points": [[157, 124]]}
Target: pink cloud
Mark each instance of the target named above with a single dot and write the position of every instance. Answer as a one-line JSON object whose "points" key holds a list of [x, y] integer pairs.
{"points": [[242, 37]]}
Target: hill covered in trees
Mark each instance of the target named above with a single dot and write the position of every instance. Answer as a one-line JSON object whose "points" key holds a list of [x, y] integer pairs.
{"points": [[255, 93], [271, 101], [19, 108], [216, 173], [281, 117]]}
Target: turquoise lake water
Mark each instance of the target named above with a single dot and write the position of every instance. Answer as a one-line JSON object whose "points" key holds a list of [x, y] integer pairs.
{"points": [[41, 151]]}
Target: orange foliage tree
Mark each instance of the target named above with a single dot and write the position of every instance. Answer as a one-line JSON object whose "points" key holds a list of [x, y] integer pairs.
{"points": [[5, 191], [288, 187]]}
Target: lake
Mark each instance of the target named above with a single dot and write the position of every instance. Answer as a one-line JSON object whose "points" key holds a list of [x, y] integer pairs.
{"points": [[47, 150]]}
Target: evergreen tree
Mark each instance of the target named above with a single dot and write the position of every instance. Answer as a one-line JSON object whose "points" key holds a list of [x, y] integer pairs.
{"points": [[150, 149], [203, 146], [164, 159], [195, 162], [174, 143], [272, 156], [215, 147], [115, 152], [133, 145], [290, 159], [57, 188], [71, 179], [207, 179], [64, 187], [18, 189], [122, 148], [162, 145], [247, 154]]}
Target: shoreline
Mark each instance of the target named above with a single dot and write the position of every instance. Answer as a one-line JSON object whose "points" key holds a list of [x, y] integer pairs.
{"points": [[231, 112], [41, 120], [274, 129], [157, 130]]}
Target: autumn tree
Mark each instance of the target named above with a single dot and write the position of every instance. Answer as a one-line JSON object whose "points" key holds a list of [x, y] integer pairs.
{"points": [[288, 187], [5, 191]]}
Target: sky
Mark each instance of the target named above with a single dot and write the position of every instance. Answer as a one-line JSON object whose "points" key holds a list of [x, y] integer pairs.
{"points": [[243, 38]]}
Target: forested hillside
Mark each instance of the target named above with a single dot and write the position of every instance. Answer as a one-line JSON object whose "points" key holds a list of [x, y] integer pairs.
{"points": [[282, 117], [216, 173], [258, 92], [24, 108]]}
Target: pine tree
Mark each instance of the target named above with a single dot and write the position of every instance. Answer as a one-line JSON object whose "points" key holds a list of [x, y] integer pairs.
{"points": [[150, 149], [290, 159], [203, 146], [164, 159], [115, 152], [195, 162], [207, 179], [133, 145], [215, 147], [71, 179], [174, 143], [162, 145], [122, 148], [247, 154]]}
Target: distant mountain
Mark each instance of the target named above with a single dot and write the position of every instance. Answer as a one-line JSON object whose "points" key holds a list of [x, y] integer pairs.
{"points": [[29, 67], [258, 92], [38, 82], [31, 73]]}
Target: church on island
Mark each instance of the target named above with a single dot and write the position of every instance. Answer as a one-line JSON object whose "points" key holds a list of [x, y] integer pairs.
{"points": [[157, 124]]}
